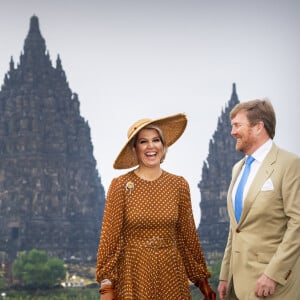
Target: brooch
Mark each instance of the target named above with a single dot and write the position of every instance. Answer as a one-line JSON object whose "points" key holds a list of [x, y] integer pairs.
{"points": [[129, 186]]}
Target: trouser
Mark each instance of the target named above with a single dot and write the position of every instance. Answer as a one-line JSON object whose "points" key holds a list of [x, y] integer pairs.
{"points": [[231, 292]]}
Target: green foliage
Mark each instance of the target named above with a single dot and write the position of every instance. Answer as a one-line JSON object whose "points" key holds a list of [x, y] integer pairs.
{"points": [[215, 272], [196, 294], [2, 283], [69, 294], [78, 293], [36, 270], [54, 294]]}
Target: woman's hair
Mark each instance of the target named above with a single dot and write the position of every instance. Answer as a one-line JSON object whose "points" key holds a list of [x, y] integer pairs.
{"points": [[161, 135], [258, 111]]}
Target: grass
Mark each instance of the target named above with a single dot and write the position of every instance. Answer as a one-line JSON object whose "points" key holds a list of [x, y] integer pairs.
{"points": [[67, 294]]}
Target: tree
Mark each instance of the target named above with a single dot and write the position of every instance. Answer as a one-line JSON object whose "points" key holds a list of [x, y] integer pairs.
{"points": [[215, 272], [36, 270]]}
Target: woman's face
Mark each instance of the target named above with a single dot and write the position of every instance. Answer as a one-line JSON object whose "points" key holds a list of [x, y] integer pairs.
{"points": [[149, 148]]}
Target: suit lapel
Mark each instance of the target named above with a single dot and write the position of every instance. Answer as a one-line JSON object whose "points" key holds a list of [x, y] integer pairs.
{"points": [[264, 172]]}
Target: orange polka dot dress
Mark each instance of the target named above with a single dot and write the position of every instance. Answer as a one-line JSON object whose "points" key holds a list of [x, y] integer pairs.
{"points": [[149, 246]]}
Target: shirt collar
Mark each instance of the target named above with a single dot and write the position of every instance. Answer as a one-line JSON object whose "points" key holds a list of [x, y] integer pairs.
{"points": [[263, 150]]}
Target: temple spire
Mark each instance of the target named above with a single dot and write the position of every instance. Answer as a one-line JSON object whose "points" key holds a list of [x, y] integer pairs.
{"points": [[34, 25], [11, 64], [47, 161], [35, 61], [216, 174], [234, 97], [35, 66], [34, 41], [233, 88]]}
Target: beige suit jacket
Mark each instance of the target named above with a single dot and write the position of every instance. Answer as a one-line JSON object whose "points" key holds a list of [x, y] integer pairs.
{"points": [[267, 238]]}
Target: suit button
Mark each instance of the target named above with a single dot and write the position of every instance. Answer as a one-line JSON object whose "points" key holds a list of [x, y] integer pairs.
{"points": [[237, 230]]}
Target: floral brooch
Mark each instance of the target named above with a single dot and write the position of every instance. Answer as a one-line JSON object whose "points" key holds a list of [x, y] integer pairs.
{"points": [[129, 186]]}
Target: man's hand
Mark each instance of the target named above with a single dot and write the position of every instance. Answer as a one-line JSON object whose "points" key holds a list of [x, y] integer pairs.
{"points": [[265, 286], [222, 289]]}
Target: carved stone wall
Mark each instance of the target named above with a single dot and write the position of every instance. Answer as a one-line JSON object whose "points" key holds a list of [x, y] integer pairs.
{"points": [[51, 196]]}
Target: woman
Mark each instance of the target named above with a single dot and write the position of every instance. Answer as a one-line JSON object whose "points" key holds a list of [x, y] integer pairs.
{"points": [[149, 246]]}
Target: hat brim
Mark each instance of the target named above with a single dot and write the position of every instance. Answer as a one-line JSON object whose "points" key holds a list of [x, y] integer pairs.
{"points": [[172, 128]]}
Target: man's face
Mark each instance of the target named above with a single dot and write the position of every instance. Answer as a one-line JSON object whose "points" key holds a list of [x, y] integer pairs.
{"points": [[243, 132]]}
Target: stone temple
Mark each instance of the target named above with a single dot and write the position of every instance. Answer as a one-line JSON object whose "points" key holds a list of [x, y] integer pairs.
{"points": [[216, 176], [51, 196]]}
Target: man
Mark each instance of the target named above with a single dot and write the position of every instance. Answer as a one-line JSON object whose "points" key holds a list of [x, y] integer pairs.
{"points": [[262, 256]]}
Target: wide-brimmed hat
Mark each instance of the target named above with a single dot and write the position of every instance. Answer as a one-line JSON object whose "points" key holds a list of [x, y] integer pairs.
{"points": [[171, 126]]}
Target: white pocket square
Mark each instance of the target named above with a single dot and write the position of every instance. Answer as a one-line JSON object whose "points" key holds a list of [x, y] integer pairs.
{"points": [[268, 185]]}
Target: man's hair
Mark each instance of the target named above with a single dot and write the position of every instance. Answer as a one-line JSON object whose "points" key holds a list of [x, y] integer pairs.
{"points": [[258, 111]]}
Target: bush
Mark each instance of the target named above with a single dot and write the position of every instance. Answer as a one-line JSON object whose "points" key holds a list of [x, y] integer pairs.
{"points": [[36, 270]]}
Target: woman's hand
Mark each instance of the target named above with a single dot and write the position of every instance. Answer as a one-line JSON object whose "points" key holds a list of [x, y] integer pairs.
{"points": [[107, 292], [206, 290]]}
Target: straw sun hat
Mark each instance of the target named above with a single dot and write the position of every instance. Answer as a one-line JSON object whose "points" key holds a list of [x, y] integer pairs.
{"points": [[171, 126]]}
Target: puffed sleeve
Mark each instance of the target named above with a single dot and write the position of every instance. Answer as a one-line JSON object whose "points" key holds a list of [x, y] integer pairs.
{"points": [[111, 240], [187, 238]]}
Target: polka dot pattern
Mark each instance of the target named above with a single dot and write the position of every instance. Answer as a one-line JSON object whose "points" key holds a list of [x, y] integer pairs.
{"points": [[149, 246]]}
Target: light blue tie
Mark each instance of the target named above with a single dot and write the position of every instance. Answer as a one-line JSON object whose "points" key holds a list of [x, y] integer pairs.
{"points": [[238, 205]]}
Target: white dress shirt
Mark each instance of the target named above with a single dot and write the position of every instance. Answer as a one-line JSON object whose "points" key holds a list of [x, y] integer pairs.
{"points": [[259, 155]]}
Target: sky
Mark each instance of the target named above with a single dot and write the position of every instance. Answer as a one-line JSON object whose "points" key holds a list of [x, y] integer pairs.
{"points": [[134, 59]]}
